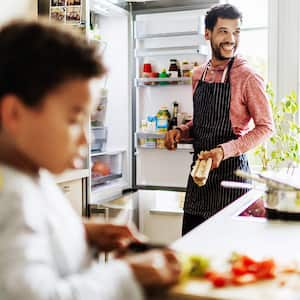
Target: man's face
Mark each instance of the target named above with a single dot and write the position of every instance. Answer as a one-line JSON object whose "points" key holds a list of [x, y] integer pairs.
{"points": [[224, 38], [52, 135]]}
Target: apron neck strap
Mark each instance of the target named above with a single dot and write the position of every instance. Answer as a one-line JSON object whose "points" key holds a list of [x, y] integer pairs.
{"points": [[226, 71]]}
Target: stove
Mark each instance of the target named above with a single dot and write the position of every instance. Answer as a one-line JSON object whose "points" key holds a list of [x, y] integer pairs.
{"points": [[256, 210]]}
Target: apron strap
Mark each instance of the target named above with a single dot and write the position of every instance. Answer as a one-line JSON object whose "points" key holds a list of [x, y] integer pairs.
{"points": [[205, 72], [227, 71]]}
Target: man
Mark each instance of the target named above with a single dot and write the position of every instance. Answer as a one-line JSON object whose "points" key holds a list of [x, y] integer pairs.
{"points": [[47, 77], [227, 96]]}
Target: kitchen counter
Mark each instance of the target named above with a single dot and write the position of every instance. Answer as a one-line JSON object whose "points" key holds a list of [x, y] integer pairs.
{"points": [[224, 233], [72, 175]]}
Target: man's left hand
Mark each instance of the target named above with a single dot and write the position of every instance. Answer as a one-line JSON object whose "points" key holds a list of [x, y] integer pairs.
{"points": [[215, 154]]}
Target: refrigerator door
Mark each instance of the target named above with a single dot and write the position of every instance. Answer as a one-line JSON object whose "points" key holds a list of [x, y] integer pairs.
{"points": [[159, 38], [111, 165]]}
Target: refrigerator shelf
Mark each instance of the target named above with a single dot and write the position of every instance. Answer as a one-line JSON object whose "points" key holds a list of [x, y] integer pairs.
{"points": [[107, 153], [154, 82], [167, 34], [180, 147], [102, 179], [149, 135], [171, 51]]}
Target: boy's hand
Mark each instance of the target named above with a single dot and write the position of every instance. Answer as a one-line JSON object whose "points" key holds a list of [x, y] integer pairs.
{"points": [[109, 237], [172, 137], [155, 268]]}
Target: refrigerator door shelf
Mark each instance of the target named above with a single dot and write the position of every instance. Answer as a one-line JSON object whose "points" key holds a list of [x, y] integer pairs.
{"points": [[96, 180], [155, 82], [170, 51], [167, 34], [108, 191]]}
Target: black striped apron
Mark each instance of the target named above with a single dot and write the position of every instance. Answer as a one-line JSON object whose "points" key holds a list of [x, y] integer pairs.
{"points": [[212, 127]]}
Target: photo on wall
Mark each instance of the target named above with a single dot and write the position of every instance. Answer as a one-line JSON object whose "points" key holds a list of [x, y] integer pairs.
{"points": [[58, 2], [73, 14], [65, 11], [73, 2], [58, 14]]}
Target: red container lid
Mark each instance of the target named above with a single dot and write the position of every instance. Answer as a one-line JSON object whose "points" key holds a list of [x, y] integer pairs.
{"points": [[147, 68]]}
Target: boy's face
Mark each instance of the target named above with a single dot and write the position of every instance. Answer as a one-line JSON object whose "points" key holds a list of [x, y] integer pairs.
{"points": [[53, 135], [224, 38]]}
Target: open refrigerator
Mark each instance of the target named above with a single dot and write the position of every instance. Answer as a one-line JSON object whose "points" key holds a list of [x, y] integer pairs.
{"points": [[123, 154]]}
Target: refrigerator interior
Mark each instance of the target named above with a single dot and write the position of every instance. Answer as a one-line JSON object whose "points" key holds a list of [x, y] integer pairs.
{"points": [[158, 38], [110, 156]]}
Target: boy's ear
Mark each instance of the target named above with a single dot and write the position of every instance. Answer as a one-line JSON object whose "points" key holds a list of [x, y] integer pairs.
{"points": [[11, 109]]}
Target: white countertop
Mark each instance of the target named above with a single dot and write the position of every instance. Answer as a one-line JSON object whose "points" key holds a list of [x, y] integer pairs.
{"points": [[224, 233], [72, 175]]}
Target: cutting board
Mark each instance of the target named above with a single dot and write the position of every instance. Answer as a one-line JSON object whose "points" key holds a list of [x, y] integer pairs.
{"points": [[284, 287]]}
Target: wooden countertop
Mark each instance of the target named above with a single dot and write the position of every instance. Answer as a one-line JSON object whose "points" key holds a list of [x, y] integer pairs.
{"points": [[224, 233]]}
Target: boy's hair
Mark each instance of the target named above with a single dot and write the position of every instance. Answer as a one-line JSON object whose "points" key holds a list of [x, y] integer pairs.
{"points": [[36, 57], [224, 11]]}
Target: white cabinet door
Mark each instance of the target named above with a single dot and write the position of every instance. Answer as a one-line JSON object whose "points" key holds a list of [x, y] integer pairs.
{"points": [[74, 192], [18, 9]]}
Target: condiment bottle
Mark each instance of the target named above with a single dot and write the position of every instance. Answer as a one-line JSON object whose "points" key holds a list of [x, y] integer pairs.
{"points": [[163, 118]]}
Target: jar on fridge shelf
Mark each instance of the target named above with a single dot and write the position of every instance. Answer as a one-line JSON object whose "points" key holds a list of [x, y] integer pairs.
{"points": [[151, 123], [144, 126], [147, 70], [163, 74], [186, 69], [163, 119], [150, 143], [160, 144], [174, 70]]}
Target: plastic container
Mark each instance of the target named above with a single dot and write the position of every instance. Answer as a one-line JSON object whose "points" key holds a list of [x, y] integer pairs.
{"points": [[99, 137]]}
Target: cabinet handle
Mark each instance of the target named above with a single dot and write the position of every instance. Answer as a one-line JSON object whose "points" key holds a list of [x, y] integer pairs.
{"points": [[66, 188]]}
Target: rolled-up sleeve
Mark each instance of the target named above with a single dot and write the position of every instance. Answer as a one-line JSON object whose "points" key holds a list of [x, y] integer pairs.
{"points": [[260, 112]]}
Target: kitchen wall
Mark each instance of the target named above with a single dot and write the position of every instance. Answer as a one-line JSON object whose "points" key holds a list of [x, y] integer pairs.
{"points": [[17, 9]]}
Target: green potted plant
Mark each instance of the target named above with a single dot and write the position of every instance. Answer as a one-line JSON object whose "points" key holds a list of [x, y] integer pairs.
{"points": [[282, 148]]}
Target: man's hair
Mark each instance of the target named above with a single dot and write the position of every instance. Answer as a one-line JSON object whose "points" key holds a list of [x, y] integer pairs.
{"points": [[36, 57], [223, 11]]}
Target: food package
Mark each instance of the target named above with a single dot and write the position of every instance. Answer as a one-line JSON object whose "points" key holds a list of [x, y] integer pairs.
{"points": [[201, 170]]}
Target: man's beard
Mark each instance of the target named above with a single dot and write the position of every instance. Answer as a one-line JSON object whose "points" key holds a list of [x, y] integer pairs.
{"points": [[216, 51]]}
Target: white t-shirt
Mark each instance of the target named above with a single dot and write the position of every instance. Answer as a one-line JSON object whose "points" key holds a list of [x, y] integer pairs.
{"points": [[43, 250]]}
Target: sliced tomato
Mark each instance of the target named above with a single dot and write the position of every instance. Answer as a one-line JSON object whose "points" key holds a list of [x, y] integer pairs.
{"points": [[266, 269], [244, 279], [238, 268], [218, 279], [247, 261]]}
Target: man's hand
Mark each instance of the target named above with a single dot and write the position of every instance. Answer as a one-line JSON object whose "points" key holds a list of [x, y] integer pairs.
{"points": [[172, 137], [108, 237], [215, 154], [155, 268]]}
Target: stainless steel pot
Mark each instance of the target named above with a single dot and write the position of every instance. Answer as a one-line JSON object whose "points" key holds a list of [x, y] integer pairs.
{"points": [[282, 193]]}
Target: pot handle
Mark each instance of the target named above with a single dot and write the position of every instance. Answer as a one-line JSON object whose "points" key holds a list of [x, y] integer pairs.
{"points": [[236, 185]]}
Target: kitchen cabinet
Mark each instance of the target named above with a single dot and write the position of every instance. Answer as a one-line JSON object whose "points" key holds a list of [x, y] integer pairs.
{"points": [[18, 9], [74, 191], [160, 215]]}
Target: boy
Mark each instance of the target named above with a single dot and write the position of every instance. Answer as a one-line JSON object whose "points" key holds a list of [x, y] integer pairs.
{"points": [[46, 79]]}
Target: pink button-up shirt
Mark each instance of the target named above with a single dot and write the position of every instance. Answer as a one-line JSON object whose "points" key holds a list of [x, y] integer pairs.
{"points": [[250, 111]]}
